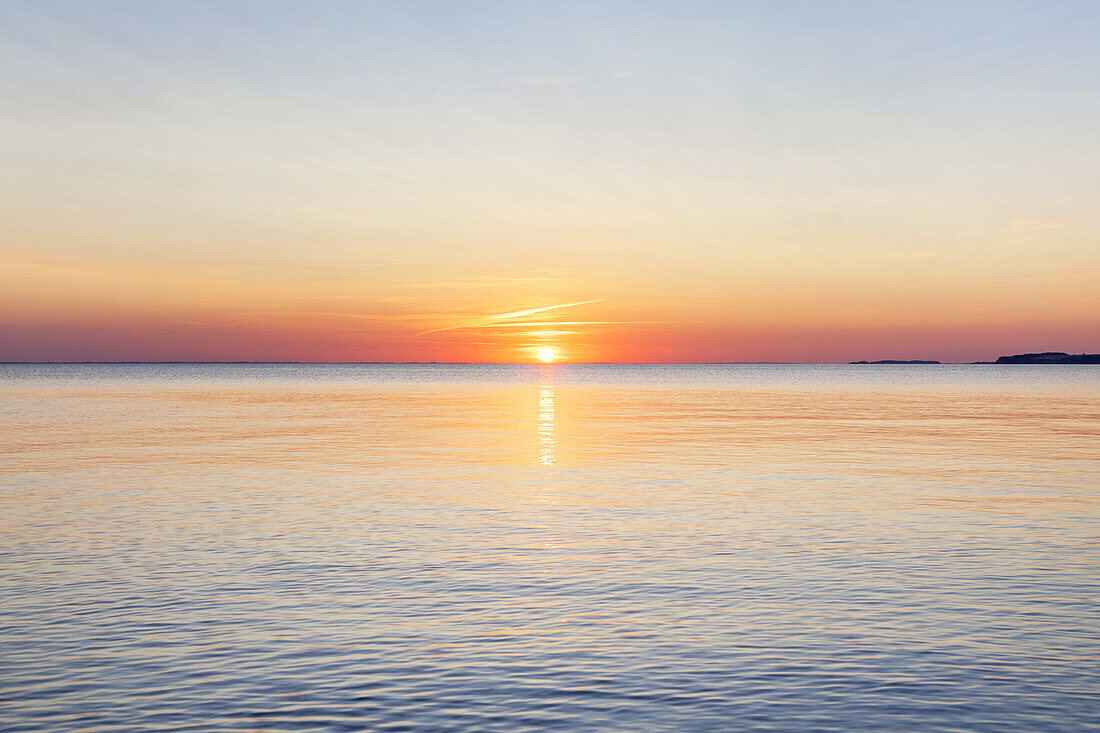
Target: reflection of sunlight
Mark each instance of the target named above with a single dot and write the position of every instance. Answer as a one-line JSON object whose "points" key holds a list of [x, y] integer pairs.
{"points": [[546, 425]]}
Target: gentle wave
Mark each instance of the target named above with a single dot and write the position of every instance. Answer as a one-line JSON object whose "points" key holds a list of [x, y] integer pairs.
{"points": [[438, 547]]}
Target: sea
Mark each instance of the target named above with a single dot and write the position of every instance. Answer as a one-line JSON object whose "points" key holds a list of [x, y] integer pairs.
{"points": [[370, 547]]}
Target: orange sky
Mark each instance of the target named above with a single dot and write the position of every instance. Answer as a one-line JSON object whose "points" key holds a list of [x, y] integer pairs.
{"points": [[393, 182]]}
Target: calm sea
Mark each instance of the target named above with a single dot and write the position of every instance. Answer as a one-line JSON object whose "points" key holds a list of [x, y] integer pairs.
{"points": [[582, 548]]}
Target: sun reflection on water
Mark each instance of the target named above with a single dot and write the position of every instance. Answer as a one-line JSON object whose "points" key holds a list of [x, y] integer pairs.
{"points": [[546, 425]]}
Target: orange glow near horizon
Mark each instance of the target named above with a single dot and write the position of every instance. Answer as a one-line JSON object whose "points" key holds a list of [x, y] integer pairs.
{"points": [[713, 201], [150, 317]]}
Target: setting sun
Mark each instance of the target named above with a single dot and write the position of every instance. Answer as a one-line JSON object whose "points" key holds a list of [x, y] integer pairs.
{"points": [[546, 354]]}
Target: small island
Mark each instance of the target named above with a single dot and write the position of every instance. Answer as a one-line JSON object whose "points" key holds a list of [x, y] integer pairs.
{"points": [[896, 361], [1049, 357], [1045, 357]]}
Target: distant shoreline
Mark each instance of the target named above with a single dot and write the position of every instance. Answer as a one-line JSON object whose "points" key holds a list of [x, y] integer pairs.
{"points": [[897, 361]]}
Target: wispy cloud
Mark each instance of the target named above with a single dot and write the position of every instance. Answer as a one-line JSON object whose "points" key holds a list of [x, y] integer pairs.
{"points": [[527, 324], [512, 318], [1039, 278], [542, 80], [561, 79], [900, 255], [1033, 225], [533, 311], [373, 317]]}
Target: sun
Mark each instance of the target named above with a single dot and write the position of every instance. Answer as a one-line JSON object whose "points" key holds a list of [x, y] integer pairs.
{"points": [[546, 355]]}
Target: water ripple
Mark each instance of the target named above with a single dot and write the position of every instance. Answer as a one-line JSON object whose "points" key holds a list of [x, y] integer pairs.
{"points": [[587, 548]]}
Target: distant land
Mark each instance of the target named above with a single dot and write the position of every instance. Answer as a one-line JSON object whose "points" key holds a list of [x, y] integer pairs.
{"points": [[1047, 357], [897, 361]]}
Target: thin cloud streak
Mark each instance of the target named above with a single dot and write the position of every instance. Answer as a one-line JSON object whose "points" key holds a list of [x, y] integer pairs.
{"points": [[527, 324], [1040, 278], [533, 311], [488, 321], [539, 80]]}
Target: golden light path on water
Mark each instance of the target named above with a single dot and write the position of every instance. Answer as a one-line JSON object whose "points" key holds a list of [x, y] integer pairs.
{"points": [[546, 425], [564, 547]]}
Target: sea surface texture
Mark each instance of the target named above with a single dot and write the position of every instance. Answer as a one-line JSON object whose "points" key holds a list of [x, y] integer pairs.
{"points": [[579, 548]]}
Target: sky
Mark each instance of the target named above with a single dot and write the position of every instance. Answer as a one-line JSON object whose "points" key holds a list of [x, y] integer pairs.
{"points": [[619, 181]]}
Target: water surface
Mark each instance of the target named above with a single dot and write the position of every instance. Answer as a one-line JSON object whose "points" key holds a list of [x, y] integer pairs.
{"points": [[440, 547]]}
